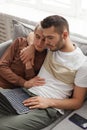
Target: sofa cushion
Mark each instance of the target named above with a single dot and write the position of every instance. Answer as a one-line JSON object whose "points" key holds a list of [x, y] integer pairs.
{"points": [[4, 46], [21, 29], [80, 41]]}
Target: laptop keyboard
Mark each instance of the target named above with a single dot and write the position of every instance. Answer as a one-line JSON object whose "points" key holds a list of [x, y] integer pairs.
{"points": [[16, 97]]}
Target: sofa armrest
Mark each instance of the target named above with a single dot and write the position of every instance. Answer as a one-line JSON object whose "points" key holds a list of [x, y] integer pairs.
{"points": [[4, 46]]}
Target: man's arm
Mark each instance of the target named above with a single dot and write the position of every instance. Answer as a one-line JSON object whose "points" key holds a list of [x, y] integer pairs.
{"points": [[72, 103], [5, 65], [7, 73], [27, 54]]}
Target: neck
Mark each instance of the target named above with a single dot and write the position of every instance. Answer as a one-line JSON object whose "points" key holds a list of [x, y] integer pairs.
{"points": [[69, 46]]}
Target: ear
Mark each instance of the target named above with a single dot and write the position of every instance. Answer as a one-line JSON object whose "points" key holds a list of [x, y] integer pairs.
{"points": [[65, 34]]}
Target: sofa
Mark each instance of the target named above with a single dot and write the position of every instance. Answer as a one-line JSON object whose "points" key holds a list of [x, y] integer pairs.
{"points": [[22, 29]]}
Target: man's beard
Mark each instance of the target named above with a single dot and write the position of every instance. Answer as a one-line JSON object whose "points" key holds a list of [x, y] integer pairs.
{"points": [[59, 45]]}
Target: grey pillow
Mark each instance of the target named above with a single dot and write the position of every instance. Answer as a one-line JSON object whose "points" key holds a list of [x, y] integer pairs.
{"points": [[4, 46], [21, 29], [81, 41], [78, 38]]}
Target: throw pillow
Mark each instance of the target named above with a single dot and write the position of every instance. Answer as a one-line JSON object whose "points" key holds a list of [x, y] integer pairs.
{"points": [[21, 29]]}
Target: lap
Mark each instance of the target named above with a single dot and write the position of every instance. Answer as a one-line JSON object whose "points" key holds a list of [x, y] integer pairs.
{"points": [[34, 120]]}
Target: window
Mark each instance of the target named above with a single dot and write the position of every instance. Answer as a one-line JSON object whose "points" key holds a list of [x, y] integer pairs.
{"points": [[74, 8], [84, 4], [84, 7]]}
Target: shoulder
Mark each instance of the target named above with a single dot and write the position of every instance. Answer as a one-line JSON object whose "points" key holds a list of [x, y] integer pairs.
{"points": [[20, 41], [82, 69], [81, 76]]}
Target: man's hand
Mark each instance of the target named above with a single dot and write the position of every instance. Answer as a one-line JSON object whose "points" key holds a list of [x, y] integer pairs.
{"points": [[37, 102], [27, 54], [28, 65], [36, 81]]}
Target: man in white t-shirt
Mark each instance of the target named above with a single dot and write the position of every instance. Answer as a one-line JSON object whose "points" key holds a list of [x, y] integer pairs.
{"points": [[62, 71]]}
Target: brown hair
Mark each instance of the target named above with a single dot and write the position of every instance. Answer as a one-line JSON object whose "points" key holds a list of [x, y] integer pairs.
{"points": [[57, 21]]}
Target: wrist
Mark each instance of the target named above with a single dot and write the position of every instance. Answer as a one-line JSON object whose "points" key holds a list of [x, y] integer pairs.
{"points": [[33, 46], [51, 103], [28, 66], [26, 85]]}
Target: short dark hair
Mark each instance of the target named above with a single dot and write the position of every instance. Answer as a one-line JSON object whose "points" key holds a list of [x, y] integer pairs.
{"points": [[57, 21]]}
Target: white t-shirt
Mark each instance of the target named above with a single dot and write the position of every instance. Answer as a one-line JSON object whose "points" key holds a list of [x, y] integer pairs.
{"points": [[55, 88], [81, 76]]}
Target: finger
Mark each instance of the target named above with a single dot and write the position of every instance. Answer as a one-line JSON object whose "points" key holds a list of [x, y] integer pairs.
{"points": [[30, 103], [40, 79], [23, 50], [22, 57], [38, 84], [25, 101], [35, 106], [25, 61], [30, 99], [32, 61], [22, 53]]}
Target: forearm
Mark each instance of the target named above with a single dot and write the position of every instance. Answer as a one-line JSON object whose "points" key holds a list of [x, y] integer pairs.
{"points": [[11, 68], [68, 104], [7, 74], [30, 38], [65, 104], [71, 103], [27, 54], [30, 73]]}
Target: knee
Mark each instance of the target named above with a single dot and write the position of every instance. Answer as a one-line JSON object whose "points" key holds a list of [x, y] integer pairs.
{"points": [[2, 127]]}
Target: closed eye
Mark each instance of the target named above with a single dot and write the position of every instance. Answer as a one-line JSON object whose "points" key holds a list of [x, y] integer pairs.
{"points": [[37, 36], [50, 37]]}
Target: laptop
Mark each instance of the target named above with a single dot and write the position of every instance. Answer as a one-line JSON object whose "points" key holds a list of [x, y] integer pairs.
{"points": [[15, 97]]}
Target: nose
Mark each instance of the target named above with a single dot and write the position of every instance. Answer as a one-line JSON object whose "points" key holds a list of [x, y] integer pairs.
{"points": [[46, 41], [39, 42]]}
